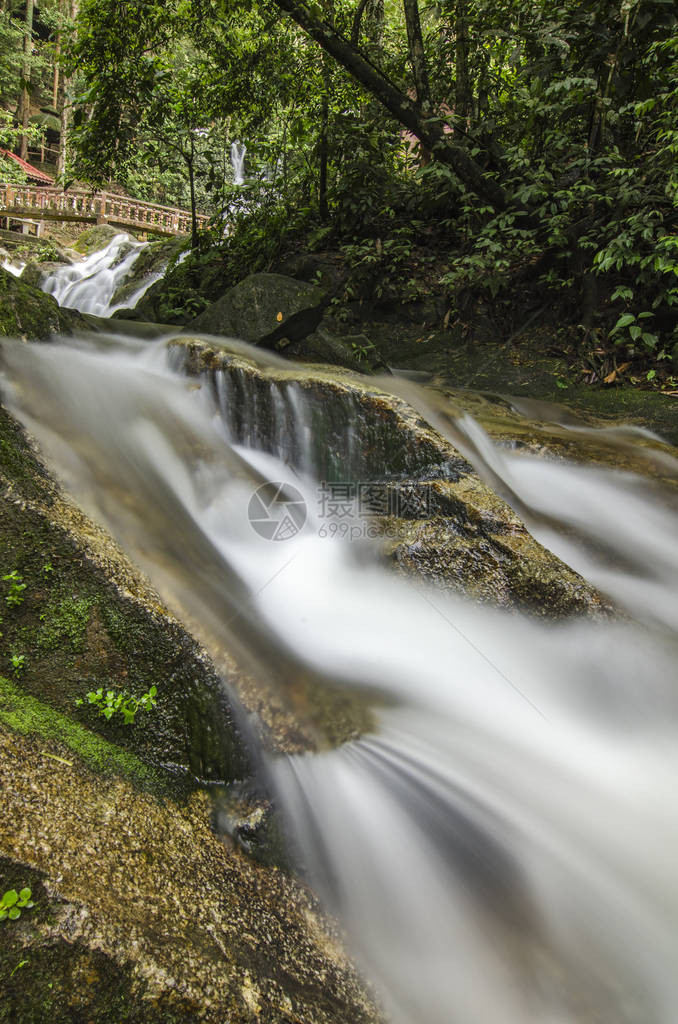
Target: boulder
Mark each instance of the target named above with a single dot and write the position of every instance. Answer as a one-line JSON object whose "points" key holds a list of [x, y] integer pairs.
{"points": [[256, 306], [95, 238], [26, 312], [141, 912], [438, 521], [34, 273], [149, 264]]}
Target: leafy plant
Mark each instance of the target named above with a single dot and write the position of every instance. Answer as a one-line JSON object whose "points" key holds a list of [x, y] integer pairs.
{"points": [[18, 664], [15, 594], [13, 902], [123, 703]]}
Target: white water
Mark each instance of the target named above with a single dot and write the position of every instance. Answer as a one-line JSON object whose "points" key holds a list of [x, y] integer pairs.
{"points": [[238, 151], [90, 284], [503, 848], [14, 267]]}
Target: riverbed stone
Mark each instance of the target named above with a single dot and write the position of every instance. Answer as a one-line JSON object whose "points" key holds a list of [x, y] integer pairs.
{"points": [[256, 306], [26, 312]]}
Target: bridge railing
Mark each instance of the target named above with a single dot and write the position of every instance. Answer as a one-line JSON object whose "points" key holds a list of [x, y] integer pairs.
{"points": [[98, 207]]}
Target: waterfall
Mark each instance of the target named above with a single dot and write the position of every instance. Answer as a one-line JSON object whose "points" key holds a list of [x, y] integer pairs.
{"points": [[90, 284], [14, 266], [501, 846], [238, 151]]}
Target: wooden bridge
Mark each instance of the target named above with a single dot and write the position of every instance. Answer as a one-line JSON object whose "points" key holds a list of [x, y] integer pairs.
{"points": [[40, 203]]}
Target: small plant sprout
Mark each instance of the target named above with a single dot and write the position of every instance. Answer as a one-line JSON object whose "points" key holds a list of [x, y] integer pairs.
{"points": [[13, 902], [47, 569], [15, 594], [110, 703], [18, 664]]}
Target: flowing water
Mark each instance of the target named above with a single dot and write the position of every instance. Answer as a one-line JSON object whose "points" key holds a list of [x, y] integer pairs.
{"points": [[502, 845], [90, 284], [238, 152]]}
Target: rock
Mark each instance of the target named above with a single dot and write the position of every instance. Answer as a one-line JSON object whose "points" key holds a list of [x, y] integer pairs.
{"points": [[26, 312], [151, 262], [35, 273], [355, 352], [437, 519], [257, 306], [89, 620], [142, 914], [95, 238]]}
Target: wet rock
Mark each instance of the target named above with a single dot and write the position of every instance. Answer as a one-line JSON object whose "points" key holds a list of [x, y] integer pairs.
{"points": [[95, 238], [34, 274], [258, 305], [143, 914], [438, 521], [151, 262], [26, 312], [87, 619]]}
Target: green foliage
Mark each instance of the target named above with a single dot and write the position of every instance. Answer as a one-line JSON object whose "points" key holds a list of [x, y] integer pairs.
{"points": [[18, 662], [15, 593], [126, 705], [568, 113], [13, 902]]}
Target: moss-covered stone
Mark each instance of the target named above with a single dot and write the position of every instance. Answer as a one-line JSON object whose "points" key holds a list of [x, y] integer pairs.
{"points": [[152, 260], [28, 716], [87, 620], [142, 915], [257, 306], [26, 312], [95, 238]]}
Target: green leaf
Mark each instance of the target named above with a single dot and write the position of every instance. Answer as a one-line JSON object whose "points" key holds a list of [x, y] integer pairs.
{"points": [[14, 913], [624, 320], [25, 894], [10, 898]]}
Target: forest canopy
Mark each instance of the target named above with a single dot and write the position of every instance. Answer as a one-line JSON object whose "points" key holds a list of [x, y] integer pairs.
{"points": [[490, 147]]}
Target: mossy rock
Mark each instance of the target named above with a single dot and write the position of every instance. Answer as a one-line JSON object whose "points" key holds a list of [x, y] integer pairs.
{"points": [[35, 273], [143, 916], [26, 312], [259, 304], [152, 259], [85, 619], [95, 238]]}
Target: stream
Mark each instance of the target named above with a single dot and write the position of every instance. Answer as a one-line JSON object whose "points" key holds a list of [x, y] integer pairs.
{"points": [[501, 842]]}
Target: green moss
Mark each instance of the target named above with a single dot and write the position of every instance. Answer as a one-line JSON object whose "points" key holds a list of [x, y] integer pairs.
{"points": [[65, 621], [27, 715]]}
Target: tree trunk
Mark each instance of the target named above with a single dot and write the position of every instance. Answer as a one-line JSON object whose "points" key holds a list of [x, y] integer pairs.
{"points": [[415, 45], [190, 162], [26, 75], [402, 108], [463, 97], [323, 154]]}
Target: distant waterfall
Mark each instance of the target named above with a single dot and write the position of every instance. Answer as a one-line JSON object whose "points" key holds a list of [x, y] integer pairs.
{"points": [[238, 151]]}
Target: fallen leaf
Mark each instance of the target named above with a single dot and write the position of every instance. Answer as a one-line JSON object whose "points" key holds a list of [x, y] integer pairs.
{"points": [[279, 317], [446, 321], [611, 377]]}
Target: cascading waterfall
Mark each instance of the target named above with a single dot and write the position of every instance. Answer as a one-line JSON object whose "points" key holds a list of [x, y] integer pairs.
{"points": [[14, 266], [238, 152], [90, 284], [502, 846]]}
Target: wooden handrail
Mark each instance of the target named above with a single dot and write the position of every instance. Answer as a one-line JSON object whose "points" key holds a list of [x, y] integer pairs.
{"points": [[52, 203]]}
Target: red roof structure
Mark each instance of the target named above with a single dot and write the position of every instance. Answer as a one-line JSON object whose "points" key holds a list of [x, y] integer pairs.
{"points": [[32, 173]]}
